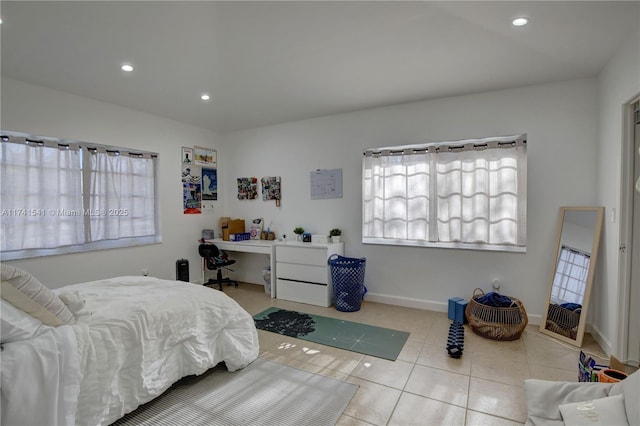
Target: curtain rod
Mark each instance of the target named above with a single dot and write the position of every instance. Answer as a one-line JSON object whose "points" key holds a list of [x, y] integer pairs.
{"points": [[38, 142], [31, 141], [454, 146]]}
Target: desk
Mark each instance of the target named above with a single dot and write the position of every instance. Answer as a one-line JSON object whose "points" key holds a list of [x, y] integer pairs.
{"points": [[299, 271], [249, 246]]}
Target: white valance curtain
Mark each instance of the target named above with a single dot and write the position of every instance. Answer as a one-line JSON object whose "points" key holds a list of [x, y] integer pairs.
{"points": [[469, 192]]}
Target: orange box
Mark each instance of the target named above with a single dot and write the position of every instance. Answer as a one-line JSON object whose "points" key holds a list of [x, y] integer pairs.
{"points": [[235, 226]]}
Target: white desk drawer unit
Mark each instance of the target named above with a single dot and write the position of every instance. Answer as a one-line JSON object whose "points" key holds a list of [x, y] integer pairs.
{"points": [[303, 273]]}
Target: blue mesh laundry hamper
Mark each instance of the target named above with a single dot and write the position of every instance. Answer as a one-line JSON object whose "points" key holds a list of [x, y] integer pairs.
{"points": [[347, 277]]}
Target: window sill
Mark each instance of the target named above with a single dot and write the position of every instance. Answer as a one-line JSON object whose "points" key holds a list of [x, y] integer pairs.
{"points": [[81, 248], [460, 246]]}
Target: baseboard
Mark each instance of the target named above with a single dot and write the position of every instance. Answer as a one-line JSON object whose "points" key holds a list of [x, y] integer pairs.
{"points": [[429, 305], [407, 302], [604, 343], [534, 319]]}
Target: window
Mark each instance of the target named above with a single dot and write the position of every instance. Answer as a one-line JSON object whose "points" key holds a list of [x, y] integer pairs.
{"points": [[60, 197], [465, 194], [571, 276]]}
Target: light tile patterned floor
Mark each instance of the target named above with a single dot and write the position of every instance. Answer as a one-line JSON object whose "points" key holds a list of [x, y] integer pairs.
{"points": [[424, 386]]}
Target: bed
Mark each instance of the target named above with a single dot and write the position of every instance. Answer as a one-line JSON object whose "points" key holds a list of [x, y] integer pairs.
{"points": [[88, 353]]}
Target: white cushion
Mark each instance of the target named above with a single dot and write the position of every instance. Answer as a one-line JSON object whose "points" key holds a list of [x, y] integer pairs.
{"points": [[608, 411], [17, 325], [28, 294], [630, 388], [76, 304], [544, 396]]}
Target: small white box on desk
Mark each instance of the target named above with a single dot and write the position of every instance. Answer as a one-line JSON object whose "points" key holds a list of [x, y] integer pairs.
{"points": [[317, 238]]}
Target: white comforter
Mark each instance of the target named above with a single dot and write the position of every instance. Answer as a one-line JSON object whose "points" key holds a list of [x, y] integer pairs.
{"points": [[133, 338]]}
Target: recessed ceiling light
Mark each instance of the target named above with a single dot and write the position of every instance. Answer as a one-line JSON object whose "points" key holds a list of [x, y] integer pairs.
{"points": [[205, 97], [520, 22], [126, 67], [1, 21]]}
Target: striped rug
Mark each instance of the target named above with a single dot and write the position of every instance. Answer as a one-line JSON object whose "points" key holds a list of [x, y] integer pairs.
{"points": [[264, 393]]}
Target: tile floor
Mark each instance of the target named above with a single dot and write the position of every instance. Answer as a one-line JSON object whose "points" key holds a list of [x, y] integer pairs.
{"points": [[424, 386]]}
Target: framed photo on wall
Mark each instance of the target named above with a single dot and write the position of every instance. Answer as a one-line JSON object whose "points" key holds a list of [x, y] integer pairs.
{"points": [[247, 188], [206, 156], [187, 155]]}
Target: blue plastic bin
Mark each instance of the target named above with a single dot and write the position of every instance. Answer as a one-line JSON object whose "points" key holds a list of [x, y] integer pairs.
{"points": [[347, 278]]}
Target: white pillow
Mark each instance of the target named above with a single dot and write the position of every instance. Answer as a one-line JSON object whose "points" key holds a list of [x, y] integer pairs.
{"points": [[76, 304], [17, 325], [28, 294], [604, 411]]}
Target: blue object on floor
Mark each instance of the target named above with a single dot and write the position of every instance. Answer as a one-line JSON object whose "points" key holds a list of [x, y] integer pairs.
{"points": [[455, 342], [457, 306], [347, 278], [495, 300]]}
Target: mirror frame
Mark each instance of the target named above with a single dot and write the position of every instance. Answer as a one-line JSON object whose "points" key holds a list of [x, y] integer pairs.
{"points": [[592, 267]]}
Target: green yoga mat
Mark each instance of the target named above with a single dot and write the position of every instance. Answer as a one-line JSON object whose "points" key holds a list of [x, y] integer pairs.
{"points": [[365, 339]]}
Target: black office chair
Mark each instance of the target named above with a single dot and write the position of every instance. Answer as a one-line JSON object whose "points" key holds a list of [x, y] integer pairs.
{"points": [[214, 261]]}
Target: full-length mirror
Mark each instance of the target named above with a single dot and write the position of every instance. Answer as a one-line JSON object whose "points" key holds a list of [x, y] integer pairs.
{"points": [[572, 272]]}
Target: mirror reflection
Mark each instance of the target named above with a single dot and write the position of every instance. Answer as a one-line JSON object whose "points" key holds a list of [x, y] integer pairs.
{"points": [[572, 275]]}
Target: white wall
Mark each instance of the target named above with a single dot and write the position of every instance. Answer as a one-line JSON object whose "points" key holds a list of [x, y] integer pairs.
{"points": [[560, 120], [40, 111], [564, 148], [618, 84]]}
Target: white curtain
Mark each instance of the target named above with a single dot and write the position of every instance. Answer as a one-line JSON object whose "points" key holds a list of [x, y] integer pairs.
{"points": [[470, 194], [571, 276], [122, 194], [478, 196], [41, 195], [396, 196]]}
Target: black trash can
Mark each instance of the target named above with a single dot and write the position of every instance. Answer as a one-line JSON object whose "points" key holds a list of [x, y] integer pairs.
{"points": [[347, 278]]}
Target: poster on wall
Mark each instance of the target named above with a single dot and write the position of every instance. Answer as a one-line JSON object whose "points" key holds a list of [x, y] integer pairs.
{"points": [[271, 189], [187, 155], [205, 156], [191, 189], [209, 189], [191, 198], [199, 179], [247, 188]]}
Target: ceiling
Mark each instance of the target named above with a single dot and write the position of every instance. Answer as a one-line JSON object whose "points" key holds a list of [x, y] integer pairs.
{"points": [[271, 62]]}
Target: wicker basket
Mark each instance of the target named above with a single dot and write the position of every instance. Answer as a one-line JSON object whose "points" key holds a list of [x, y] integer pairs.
{"points": [[563, 321], [494, 322]]}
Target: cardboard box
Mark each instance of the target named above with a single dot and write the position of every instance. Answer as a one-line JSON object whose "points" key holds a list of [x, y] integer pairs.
{"points": [[231, 226], [224, 230], [236, 226]]}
